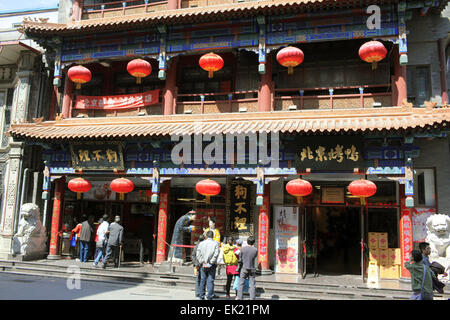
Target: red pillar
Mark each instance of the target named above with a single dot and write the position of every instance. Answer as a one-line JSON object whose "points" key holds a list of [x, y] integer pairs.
{"points": [[172, 4], [406, 236], [265, 88], [399, 89], [161, 247], [171, 83], [77, 10], [263, 236], [441, 50], [55, 234], [67, 99]]}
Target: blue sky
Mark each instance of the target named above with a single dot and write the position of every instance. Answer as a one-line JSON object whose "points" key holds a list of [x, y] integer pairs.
{"points": [[9, 5]]}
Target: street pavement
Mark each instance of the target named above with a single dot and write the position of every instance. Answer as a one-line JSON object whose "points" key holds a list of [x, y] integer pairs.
{"points": [[25, 287]]}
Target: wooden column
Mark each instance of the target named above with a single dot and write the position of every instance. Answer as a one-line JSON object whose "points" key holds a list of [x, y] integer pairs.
{"points": [[77, 10], [441, 50], [399, 89], [263, 234], [265, 88], [406, 236], [170, 89], [161, 247], [67, 99], [58, 205]]}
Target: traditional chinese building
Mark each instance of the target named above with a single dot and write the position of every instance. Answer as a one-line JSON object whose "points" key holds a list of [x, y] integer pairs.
{"points": [[320, 113]]}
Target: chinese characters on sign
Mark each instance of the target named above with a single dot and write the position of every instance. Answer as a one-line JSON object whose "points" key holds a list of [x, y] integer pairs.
{"points": [[127, 101], [286, 239], [338, 153], [97, 156], [239, 206]]}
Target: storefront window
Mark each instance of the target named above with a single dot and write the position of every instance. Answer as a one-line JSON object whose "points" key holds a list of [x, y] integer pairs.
{"points": [[424, 190]]}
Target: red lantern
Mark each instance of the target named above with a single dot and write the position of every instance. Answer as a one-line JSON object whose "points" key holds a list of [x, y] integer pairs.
{"points": [[211, 62], [139, 68], [122, 186], [362, 189], [372, 52], [208, 188], [79, 185], [290, 57], [299, 188], [79, 75]]}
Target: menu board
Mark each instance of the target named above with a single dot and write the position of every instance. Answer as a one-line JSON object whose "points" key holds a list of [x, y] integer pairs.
{"points": [[286, 239]]}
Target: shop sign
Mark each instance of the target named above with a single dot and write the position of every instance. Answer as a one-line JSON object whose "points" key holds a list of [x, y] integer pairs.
{"points": [[333, 195], [333, 153], [117, 102], [97, 155], [239, 206], [286, 239], [419, 222]]}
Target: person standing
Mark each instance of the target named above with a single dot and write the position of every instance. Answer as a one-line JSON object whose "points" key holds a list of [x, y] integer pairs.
{"points": [[75, 233], [145, 235], [101, 239], [231, 262], [421, 276], [425, 249], [212, 227], [115, 242], [248, 270], [87, 230], [197, 266], [207, 254], [181, 226]]}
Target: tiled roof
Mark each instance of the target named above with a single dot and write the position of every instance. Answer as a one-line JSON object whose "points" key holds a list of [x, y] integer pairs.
{"points": [[306, 122], [197, 14]]}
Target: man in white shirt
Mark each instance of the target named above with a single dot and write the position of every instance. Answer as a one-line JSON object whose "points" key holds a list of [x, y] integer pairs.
{"points": [[101, 243]]}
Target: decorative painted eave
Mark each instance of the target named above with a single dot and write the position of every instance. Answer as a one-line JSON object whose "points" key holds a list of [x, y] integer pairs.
{"points": [[339, 121]]}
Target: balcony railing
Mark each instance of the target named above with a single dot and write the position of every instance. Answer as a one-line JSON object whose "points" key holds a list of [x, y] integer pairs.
{"points": [[121, 8]]}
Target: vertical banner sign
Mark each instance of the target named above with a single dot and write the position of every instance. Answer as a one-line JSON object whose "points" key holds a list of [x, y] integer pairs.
{"points": [[239, 206], [162, 226], [263, 241], [419, 219], [286, 239], [56, 217], [406, 237]]}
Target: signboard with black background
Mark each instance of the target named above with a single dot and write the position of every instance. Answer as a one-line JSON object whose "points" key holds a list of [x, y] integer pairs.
{"points": [[328, 152], [97, 155], [240, 200]]}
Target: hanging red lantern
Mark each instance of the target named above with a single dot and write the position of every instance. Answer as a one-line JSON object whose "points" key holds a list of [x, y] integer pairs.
{"points": [[139, 68], [79, 185], [362, 189], [290, 57], [299, 188], [372, 52], [211, 62], [122, 186], [208, 188], [79, 75]]}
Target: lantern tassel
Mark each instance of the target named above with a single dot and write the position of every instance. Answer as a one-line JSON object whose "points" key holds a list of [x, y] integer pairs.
{"points": [[210, 74], [138, 80], [121, 196], [363, 201], [78, 87], [299, 200], [290, 70], [78, 195], [207, 199], [374, 65]]}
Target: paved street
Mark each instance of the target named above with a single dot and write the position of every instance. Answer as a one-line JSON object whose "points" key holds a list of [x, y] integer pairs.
{"points": [[25, 287]]}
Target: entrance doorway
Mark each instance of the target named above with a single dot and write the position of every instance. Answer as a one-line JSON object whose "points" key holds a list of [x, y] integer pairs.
{"points": [[332, 240]]}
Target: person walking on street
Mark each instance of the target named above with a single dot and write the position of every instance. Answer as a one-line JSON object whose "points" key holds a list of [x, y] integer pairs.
{"points": [[197, 266], [207, 254], [425, 249], [421, 277], [101, 240], [87, 230], [231, 262], [248, 270], [115, 241]]}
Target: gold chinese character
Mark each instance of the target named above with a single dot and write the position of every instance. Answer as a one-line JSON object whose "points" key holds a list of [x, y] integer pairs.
{"points": [[320, 154], [240, 209], [240, 191], [352, 154], [97, 154], [337, 153], [306, 153], [111, 155], [84, 155], [239, 223]]}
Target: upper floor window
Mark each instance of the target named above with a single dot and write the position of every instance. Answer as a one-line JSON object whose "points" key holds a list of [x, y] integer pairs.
{"points": [[6, 101], [419, 84]]}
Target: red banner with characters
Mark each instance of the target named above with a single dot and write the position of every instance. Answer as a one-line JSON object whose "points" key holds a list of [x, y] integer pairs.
{"points": [[126, 101]]}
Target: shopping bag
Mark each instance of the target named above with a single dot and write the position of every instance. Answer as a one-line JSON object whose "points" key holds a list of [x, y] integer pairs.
{"points": [[236, 284], [73, 242]]}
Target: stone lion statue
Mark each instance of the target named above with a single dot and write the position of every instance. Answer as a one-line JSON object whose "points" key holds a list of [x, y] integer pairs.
{"points": [[438, 236], [30, 237]]}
